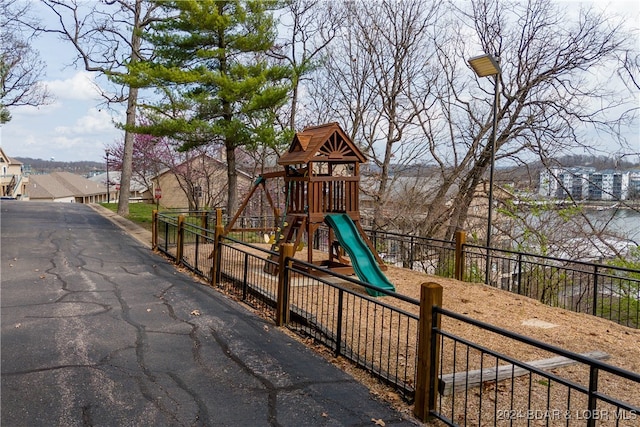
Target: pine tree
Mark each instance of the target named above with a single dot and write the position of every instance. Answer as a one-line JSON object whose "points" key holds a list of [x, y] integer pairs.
{"points": [[216, 83]]}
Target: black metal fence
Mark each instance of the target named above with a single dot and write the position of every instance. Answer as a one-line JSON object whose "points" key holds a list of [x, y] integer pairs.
{"points": [[430, 256], [605, 291], [197, 249], [377, 334], [333, 309], [476, 380], [481, 384], [243, 272], [167, 235]]}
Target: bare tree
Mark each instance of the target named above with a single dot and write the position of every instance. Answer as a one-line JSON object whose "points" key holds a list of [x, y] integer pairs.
{"points": [[199, 176], [20, 67], [374, 70], [107, 37], [306, 29], [151, 155], [198, 172], [402, 86], [552, 88]]}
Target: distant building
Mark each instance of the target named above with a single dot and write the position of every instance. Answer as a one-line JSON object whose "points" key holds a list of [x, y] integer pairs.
{"points": [[634, 185], [609, 185], [138, 191], [564, 183], [66, 187], [585, 183], [14, 179]]}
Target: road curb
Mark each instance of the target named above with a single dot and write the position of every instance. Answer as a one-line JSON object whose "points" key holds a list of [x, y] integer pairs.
{"points": [[134, 230]]}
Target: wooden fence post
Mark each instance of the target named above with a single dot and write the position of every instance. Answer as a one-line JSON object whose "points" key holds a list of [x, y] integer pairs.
{"points": [[428, 351], [282, 304], [154, 230], [180, 239], [219, 217], [219, 232], [204, 222], [461, 239]]}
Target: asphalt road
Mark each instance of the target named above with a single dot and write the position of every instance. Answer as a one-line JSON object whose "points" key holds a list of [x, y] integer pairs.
{"points": [[99, 331]]}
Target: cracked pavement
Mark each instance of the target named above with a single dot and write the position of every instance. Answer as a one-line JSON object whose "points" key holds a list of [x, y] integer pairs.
{"points": [[97, 330]]}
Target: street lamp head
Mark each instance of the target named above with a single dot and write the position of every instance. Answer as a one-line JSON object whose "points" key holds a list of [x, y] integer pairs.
{"points": [[485, 65]]}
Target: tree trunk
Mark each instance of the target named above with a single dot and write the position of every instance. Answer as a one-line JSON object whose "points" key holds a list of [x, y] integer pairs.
{"points": [[129, 136], [466, 193], [232, 178], [127, 158]]}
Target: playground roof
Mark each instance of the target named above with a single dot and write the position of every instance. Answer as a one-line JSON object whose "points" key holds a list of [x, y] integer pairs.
{"points": [[326, 142]]}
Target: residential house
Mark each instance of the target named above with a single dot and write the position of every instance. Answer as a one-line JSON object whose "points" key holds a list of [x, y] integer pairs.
{"points": [[67, 187], [13, 178], [200, 182]]}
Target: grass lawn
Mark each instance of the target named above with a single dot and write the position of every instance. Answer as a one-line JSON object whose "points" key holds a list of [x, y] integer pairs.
{"points": [[140, 213]]}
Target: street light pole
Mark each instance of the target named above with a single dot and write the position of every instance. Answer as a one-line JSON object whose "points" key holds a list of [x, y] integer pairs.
{"points": [[107, 152], [487, 65], [493, 158]]}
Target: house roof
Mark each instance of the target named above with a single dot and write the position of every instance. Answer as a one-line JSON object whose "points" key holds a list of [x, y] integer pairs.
{"points": [[326, 142], [114, 178], [8, 160], [63, 184]]}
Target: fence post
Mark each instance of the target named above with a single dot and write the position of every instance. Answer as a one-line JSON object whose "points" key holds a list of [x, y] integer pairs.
{"points": [[219, 232], [204, 222], [154, 229], [411, 252], [461, 239], [428, 351], [282, 304], [595, 291], [180, 239], [519, 274], [592, 404]]}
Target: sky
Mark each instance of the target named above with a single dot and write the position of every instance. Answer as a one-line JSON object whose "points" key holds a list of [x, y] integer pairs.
{"points": [[78, 125]]}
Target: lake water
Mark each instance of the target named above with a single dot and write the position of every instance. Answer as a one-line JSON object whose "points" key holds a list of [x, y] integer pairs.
{"points": [[624, 221]]}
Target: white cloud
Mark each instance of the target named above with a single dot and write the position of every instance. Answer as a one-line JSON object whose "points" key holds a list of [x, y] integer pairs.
{"points": [[63, 142], [80, 86], [94, 121], [28, 110]]}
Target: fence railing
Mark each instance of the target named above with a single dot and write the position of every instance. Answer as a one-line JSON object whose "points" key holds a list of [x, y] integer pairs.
{"points": [[605, 291], [331, 308], [377, 334], [409, 344], [486, 386]]}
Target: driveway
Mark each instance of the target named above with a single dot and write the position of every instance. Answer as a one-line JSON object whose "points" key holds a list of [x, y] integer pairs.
{"points": [[99, 331]]}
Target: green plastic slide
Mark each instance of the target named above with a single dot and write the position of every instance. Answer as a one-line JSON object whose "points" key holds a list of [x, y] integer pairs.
{"points": [[364, 263]]}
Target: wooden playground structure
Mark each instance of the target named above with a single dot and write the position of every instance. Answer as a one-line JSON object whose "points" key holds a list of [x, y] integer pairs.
{"points": [[321, 177]]}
